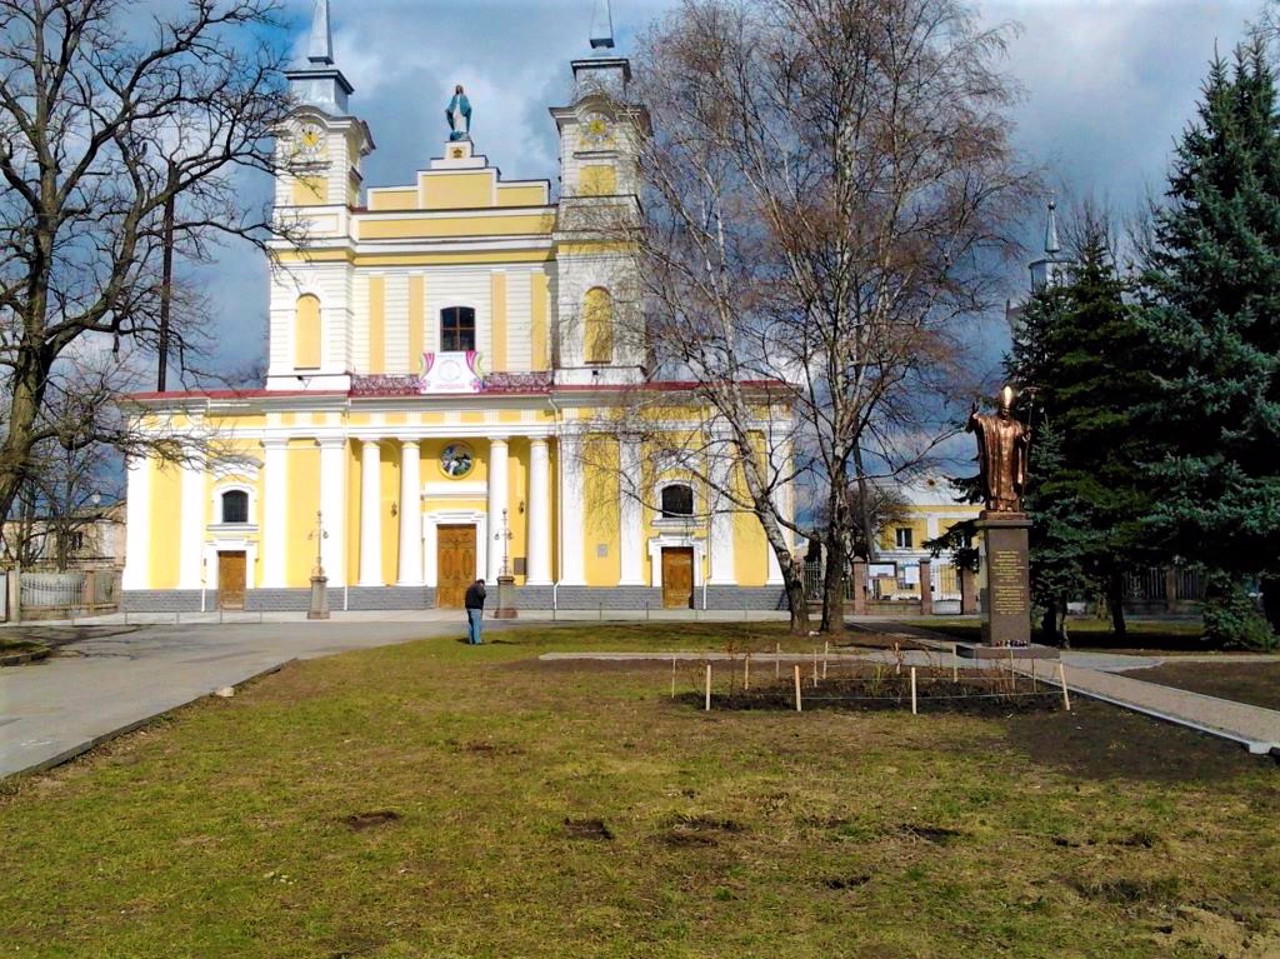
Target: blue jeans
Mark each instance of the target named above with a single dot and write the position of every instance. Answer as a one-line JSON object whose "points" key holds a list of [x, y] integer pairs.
{"points": [[474, 619]]}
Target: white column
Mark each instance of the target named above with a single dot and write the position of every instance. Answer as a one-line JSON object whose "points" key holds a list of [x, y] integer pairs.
{"points": [[538, 559], [191, 523], [787, 506], [137, 543], [333, 506], [370, 513], [630, 513], [572, 514], [497, 503], [275, 512], [430, 544], [410, 560], [720, 525]]}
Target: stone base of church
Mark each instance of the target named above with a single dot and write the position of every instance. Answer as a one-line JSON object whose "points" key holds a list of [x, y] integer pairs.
{"points": [[601, 599]]}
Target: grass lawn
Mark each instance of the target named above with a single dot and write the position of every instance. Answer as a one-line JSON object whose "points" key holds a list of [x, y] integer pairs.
{"points": [[438, 800], [1163, 636]]}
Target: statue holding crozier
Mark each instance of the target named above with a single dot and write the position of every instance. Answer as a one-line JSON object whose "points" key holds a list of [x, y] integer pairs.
{"points": [[1004, 444]]}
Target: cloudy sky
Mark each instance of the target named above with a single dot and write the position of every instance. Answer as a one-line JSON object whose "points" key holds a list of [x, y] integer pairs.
{"points": [[1108, 85]]}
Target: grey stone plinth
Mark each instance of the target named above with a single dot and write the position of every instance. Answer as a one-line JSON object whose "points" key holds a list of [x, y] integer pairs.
{"points": [[319, 608], [1006, 615], [506, 608], [985, 652]]}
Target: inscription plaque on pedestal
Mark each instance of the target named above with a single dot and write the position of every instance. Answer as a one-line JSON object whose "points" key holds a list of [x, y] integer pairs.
{"points": [[1007, 619]]}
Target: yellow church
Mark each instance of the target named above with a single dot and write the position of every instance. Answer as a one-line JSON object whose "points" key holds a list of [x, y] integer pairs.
{"points": [[438, 350]]}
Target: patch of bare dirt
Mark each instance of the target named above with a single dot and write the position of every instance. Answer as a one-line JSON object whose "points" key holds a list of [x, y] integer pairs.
{"points": [[1099, 741], [359, 822], [1255, 683], [594, 829]]}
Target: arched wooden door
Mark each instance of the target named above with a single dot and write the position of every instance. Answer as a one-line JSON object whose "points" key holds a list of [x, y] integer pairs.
{"points": [[455, 563]]}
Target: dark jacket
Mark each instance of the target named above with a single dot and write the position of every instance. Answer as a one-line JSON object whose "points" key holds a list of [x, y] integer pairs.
{"points": [[475, 596]]}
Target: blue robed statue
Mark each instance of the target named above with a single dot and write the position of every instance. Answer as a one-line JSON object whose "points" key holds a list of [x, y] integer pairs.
{"points": [[458, 113]]}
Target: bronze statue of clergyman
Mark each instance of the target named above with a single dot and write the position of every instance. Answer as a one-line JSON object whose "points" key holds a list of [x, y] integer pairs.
{"points": [[1003, 447]]}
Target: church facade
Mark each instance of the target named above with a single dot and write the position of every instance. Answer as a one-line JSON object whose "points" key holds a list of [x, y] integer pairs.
{"points": [[441, 353]]}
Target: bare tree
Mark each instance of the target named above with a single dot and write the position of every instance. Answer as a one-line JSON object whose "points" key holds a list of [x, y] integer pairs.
{"points": [[107, 117], [826, 195]]}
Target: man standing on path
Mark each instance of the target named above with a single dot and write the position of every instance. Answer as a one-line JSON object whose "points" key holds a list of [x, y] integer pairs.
{"points": [[474, 602]]}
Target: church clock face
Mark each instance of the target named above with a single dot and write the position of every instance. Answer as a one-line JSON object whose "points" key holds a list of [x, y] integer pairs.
{"points": [[311, 140], [597, 131]]}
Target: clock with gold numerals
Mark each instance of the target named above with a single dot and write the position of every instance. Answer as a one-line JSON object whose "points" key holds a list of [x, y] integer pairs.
{"points": [[311, 140], [597, 131]]}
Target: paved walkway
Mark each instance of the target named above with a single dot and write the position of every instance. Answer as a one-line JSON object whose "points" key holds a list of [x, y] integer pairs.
{"points": [[119, 677], [1095, 674], [116, 680]]}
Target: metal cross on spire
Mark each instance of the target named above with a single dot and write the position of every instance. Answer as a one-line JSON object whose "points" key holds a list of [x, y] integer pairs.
{"points": [[320, 50], [602, 27]]}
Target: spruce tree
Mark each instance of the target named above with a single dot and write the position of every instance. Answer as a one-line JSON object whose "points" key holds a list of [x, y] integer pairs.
{"points": [[1214, 325], [1077, 348]]}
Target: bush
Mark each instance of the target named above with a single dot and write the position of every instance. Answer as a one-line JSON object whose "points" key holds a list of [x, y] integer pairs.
{"points": [[1232, 619]]}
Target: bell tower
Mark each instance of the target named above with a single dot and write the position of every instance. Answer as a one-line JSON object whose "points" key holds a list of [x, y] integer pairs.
{"points": [[323, 146], [597, 337]]}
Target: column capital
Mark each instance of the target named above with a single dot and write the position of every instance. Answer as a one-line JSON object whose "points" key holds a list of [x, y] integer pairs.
{"points": [[373, 438], [499, 439], [409, 440], [275, 442], [331, 442]]}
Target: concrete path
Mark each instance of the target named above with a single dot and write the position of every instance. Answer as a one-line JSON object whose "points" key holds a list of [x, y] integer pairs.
{"points": [[117, 680], [1095, 674], [1256, 728]]}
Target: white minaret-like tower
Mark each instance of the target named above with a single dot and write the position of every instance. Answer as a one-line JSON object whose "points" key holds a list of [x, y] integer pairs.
{"points": [[319, 83], [1052, 270], [602, 27]]}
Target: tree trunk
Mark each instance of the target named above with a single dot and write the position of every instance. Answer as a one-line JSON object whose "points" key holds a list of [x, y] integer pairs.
{"points": [[1115, 600], [1271, 600], [792, 577], [834, 575], [28, 384]]}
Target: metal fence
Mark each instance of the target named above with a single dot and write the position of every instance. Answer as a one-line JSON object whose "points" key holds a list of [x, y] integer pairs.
{"points": [[94, 589], [1164, 585]]}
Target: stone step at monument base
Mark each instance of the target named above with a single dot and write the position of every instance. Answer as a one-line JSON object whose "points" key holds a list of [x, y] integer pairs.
{"points": [[983, 651]]}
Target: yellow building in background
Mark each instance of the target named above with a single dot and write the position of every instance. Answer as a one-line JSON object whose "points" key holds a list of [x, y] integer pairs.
{"points": [[440, 353]]}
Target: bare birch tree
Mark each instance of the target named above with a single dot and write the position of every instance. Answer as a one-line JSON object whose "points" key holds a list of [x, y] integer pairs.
{"points": [[826, 196], [108, 116]]}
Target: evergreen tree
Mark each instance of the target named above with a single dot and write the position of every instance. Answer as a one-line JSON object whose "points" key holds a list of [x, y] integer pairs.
{"points": [[1077, 347], [1214, 321]]}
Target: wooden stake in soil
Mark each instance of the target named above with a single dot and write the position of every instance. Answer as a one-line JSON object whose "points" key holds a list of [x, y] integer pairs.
{"points": [[826, 651], [799, 707], [913, 692], [673, 676], [955, 662], [897, 660], [815, 666], [777, 660], [1013, 677], [708, 687], [1062, 678], [746, 673]]}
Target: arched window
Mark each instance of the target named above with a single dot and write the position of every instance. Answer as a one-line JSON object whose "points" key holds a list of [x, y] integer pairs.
{"points": [[235, 506], [457, 329], [306, 333], [597, 333], [677, 501]]}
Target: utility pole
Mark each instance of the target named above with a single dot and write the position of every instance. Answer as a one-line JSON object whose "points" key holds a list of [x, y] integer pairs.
{"points": [[166, 274]]}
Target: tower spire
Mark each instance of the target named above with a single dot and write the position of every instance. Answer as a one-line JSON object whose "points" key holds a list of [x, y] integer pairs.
{"points": [[1051, 245], [320, 50], [602, 26]]}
